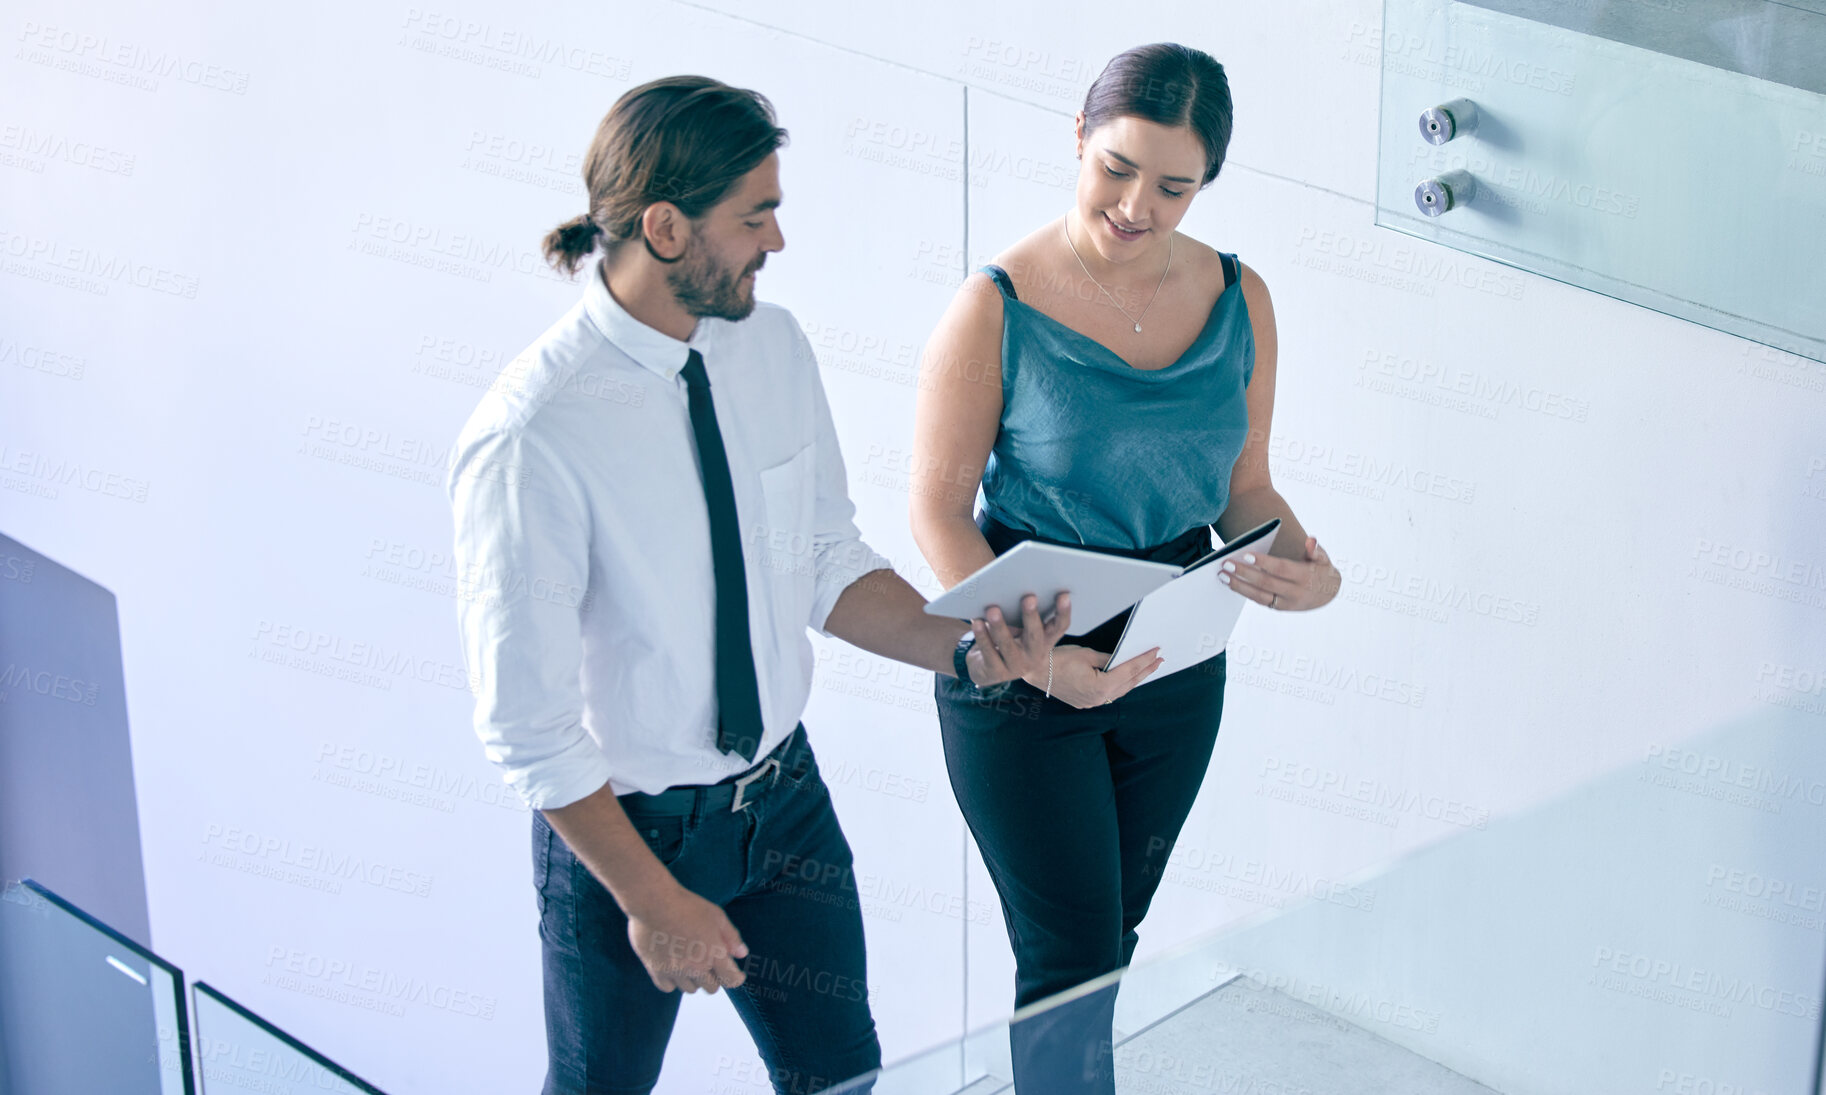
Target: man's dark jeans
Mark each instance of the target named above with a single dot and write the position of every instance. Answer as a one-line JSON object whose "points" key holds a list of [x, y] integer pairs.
{"points": [[781, 870]]}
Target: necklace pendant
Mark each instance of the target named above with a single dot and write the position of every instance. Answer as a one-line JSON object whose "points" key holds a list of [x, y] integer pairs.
{"points": [[1137, 328]]}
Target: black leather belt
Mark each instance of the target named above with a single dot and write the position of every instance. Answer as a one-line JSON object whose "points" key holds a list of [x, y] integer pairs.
{"points": [[734, 793], [1188, 547]]}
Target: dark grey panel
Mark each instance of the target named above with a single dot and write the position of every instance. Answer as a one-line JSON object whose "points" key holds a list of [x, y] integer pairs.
{"points": [[1781, 42], [68, 814]]}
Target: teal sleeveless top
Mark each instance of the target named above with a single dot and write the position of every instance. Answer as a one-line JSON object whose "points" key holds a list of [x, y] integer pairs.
{"points": [[1093, 451]]}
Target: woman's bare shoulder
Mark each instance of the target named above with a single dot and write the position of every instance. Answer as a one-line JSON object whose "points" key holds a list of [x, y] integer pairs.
{"points": [[973, 319], [1027, 259], [1203, 259]]}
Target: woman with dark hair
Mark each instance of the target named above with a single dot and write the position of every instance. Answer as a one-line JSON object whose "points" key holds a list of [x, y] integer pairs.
{"points": [[1111, 381]]}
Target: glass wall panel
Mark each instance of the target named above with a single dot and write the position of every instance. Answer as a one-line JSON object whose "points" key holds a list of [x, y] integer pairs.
{"points": [[1673, 156]]}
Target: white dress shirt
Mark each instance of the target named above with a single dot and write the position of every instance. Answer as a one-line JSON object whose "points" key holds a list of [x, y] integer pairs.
{"points": [[586, 599]]}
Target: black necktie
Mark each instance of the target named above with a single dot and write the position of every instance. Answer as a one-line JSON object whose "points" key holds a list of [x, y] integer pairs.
{"points": [[738, 697]]}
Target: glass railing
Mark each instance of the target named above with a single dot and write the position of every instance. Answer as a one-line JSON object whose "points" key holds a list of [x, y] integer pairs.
{"points": [[1670, 154], [1658, 930], [239, 1051], [84, 1009]]}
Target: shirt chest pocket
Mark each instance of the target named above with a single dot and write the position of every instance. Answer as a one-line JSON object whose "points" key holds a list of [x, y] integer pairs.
{"points": [[784, 536]]}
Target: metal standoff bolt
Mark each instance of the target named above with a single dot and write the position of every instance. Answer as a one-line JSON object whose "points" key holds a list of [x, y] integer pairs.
{"points": [[1445, 192], [1441, 123]]}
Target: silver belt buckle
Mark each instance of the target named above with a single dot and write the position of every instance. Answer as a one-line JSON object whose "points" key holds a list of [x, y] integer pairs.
{"points": [[741, 785]]}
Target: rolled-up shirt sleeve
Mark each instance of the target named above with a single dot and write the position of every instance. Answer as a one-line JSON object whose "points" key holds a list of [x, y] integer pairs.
{"points": [[839, 554], [522, 532]]}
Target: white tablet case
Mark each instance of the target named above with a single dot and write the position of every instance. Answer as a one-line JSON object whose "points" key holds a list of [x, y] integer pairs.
{"points": [[1190, 618], [1101, 585]]}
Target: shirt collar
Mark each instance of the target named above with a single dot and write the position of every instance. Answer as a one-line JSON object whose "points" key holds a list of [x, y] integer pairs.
{"points": [[653, 349]]}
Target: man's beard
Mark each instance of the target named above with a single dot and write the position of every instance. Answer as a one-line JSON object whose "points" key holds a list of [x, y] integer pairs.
{"points": [[705, 289]]}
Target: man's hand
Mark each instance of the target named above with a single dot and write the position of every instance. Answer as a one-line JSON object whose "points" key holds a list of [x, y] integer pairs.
{"points": [[882, 614], [1001, 653], [684, 941], [688, 943]]}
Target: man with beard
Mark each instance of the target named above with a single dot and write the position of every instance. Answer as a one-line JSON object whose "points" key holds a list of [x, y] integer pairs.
{"points": [[647, 520]]}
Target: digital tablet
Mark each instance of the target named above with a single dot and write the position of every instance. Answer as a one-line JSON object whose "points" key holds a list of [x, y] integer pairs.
{"points": [[1263, 531], [1101, 585], [1191, 617]]}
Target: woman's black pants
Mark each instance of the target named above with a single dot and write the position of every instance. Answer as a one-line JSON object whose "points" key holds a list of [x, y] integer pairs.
{"points": [[1075, 812]]}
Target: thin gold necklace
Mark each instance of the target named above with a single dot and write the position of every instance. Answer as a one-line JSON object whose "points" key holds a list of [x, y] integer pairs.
{"points": [[1136, 320]]}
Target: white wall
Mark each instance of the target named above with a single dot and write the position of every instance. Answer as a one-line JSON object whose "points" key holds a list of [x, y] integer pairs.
{"points": [[312, 228]]}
